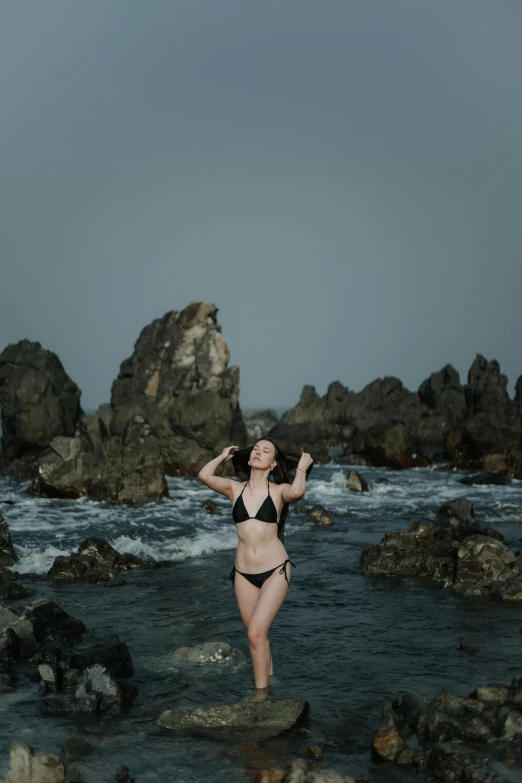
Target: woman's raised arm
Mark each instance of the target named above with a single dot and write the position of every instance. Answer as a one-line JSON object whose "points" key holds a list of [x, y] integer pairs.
{"points": [[295, 490], [217, 483]]}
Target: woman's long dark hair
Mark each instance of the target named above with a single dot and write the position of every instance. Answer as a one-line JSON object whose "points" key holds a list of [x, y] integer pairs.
{"points": [[283, 473]]}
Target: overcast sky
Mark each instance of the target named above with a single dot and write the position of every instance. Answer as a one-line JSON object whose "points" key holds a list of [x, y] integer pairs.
{"points": [[343, 178]]}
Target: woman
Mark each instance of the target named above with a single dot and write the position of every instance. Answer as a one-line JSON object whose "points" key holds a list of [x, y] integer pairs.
{"points": [[261, 574]]}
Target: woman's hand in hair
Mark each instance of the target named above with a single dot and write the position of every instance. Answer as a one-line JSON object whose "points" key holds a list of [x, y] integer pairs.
{"points": [[229, 452], [305, 461]]}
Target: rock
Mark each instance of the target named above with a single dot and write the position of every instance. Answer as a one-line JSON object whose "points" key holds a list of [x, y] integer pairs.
{"points": [[442, 391], [7, 553], [387, 743], [270, 776], [31, 765], [210, 507], [298, 772], [486, 390], [491, 694], [123, 775], [178, 380], [320, 515], [37, 398], [96, 561], [314, 752], [259, 423], [356, 483], [209, 652], [459, 516], [108, 651], [482, 561], [254, 718], [485, 478], [99, 549], [95, 691], [409, 554], [10, 589], [127, 468], [76, 748]]}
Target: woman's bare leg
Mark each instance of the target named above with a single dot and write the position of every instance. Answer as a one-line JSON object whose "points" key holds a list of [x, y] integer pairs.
{"points": [[247, 596], [271, 596]]}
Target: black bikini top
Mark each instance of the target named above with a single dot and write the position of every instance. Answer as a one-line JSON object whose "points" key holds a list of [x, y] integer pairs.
{"points": [[267, 511]]}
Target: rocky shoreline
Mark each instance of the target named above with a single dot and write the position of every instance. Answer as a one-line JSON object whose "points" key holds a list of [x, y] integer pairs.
{"points": [[175, 403]]}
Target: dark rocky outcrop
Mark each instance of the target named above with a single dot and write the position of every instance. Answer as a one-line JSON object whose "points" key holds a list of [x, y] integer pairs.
{"points": [[10, 588], [259, 423], [37, 398], [259, 719], [7, 552], [320, 515], [457, 550], [96, 561], [476, 426], [456, 738], [126, 469], [179, 381]]}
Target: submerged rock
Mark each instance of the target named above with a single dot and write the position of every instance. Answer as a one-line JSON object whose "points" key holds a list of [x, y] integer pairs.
{"points": [[209, 652], [260, 718], [320, 515], [10, 589]]}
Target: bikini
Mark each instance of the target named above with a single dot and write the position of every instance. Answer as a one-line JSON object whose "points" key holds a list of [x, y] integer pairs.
{"points": [[266, 513]]}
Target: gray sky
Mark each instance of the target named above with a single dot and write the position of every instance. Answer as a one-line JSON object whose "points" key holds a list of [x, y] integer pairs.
{"points": [[342, 178]]}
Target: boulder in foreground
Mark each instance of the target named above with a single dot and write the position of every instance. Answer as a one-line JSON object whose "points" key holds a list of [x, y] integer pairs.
{"points": [[260, 718]]}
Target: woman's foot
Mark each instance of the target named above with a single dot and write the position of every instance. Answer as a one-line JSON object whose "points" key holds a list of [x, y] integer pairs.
{"points": [[261, 694]]}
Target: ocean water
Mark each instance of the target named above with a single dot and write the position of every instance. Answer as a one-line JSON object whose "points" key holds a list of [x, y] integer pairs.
{"points": [[344, 641]]}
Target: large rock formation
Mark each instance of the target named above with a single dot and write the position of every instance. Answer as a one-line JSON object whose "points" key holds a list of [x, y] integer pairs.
{"points": [[37, 398], [179, 380], [476, 426]]}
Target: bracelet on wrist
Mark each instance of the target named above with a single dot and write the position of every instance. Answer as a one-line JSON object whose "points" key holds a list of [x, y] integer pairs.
{"points": [[301, 469]]}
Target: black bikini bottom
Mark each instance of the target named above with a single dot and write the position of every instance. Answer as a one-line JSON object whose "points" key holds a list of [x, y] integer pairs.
{"points": [[258, 580]]}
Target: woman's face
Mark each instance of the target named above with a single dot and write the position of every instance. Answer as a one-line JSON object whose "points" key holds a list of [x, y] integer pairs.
{"points": [[262, 455]]}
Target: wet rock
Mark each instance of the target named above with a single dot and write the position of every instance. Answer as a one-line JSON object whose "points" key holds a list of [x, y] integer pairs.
{"points": [[491, 694], [42, 621], [96, 561], [298, 772], [179, 381], [124, 468], [270, 776], [37, 398], [320, 515], [259, 423], [459, 517], [7, 682], [483, 562], [108, 651], [486, 478], [95, 691], [387, 743], [409, 554], [10, 589], [209, 652], [356, 483], [471, 649], [7, 553], [314, 752], [75, 748], [31, 765], [210, 507], [254, 718]]}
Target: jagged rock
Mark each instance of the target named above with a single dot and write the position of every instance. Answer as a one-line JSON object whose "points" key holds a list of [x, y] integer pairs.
{"points": [[11, 589], [7, 553], [260, 718], [320, 515], [259, 423], [442, 391], [486, 390], [31, 765], [179, 381], [38, 399], [459, 516], [123, 469], [356, 483], [108, 651], [409, 554], [95, 690], [387, 743], [96, 561], [209, 652]]}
